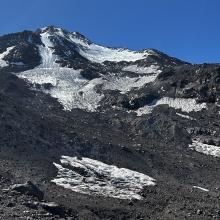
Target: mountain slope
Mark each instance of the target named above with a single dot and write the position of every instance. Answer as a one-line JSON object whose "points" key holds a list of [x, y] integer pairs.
{"points": [[87, 123]]}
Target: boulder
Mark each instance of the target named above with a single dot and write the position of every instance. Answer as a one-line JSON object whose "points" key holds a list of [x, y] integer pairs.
{"points": [[28, 188], [53, 208]]}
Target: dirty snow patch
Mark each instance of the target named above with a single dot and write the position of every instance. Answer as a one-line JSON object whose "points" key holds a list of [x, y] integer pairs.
{"points": [[142, 70], [185, 105], [93, 177], [125, 84], [207, 149], [67, 85]]}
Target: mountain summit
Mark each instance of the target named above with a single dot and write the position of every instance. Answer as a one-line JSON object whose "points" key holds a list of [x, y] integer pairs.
{"points": [[64, 43], [105, 133], [71, 65]]}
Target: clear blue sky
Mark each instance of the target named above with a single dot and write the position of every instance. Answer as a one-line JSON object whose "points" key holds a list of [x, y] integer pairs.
{"points": [[187, 29]]}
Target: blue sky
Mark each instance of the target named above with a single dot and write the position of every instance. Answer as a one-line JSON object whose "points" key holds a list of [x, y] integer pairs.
{"points": [[187, 29]]}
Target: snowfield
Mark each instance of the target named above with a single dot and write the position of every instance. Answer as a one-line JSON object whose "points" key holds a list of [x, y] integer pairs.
{"points": [[100, 54], [207, 149], [185, 105], [125, 84], [93, 177], [74, 91], [70, 88]]}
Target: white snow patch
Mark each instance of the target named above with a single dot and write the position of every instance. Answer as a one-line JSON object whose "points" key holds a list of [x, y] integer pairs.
{"points": [[4, 63], [185, 116], [99, 54], [142, 70], [185, 105], [203, 189], [147, 109], [93, 177], [207, 149]]}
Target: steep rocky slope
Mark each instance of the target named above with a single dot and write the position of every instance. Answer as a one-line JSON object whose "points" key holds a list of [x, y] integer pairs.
{"points": [[106, 133]]}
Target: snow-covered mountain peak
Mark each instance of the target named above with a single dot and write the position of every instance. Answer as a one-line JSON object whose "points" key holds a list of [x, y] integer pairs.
{"points": [[134, 125], [94, 52], [72, 49], [62, 33]]}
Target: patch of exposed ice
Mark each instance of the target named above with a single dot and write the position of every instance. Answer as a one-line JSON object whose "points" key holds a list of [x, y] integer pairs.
{"points": [[142, 70], [93, 177], [4, 63], [203, 189], [100, 54], [207, 149], [185, 105]]}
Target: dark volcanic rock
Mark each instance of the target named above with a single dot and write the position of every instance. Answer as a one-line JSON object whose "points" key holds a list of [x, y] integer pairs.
{"points": [[35, 131], [54, 208], [28, 188]]}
